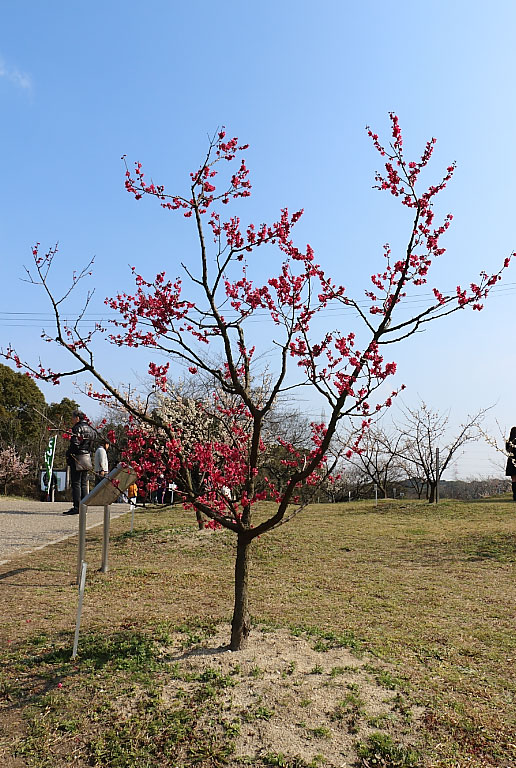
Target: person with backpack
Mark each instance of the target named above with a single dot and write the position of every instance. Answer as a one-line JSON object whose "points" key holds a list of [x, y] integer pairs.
{"points": [[78, 458]]}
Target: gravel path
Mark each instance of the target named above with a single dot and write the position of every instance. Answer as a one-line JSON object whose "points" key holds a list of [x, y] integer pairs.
{"points": [[26, 525]]}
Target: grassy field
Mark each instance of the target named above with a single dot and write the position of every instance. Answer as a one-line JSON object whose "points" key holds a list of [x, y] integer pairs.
{"points": [[424, 596]]}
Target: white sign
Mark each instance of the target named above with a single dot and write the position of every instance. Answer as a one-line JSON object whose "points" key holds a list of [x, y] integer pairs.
{"points": [[59, 474]]}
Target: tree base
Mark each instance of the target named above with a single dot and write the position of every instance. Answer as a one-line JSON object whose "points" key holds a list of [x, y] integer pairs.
{"points": [[239, 634]]}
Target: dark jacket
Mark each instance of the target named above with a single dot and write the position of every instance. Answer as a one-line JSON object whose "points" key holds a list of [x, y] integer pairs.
{"points": [[81, 440], [510, 469]]}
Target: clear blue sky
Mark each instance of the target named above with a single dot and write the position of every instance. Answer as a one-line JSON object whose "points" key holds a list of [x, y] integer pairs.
{"points": [[83, 83]]}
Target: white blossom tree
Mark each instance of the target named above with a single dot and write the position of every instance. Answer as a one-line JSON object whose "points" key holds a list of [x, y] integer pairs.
{"points": [[12, 467]]}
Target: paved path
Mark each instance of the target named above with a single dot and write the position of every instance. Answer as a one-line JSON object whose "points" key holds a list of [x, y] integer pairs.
{"points": [[26, 525]]}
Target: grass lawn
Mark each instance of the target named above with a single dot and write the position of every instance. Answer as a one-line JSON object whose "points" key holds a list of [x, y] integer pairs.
{"points": [[424, 595]]}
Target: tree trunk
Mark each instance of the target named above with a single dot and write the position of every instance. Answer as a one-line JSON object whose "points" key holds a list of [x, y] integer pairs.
{"points": [[200, 519], [432, 489], [241, 624]]}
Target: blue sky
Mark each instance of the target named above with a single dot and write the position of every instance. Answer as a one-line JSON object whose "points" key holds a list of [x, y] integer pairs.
{"points": [[81, 84]]}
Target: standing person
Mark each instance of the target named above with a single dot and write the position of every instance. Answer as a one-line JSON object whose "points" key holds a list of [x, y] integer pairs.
{"points": [[159, 493], [171, 488], [78, 458], [510, 469], [132, 494], [100, 462]]}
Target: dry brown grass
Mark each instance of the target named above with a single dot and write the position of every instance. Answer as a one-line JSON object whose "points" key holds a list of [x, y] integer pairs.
{"points": [[429, 592]]}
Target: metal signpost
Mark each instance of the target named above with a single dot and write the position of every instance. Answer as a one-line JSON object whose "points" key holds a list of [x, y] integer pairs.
{"points": [[82, 583], [103, 495]]}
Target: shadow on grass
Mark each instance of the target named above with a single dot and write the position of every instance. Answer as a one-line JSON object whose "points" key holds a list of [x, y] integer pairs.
{"points": [[126, 649], [110, 668], [122, 650], [31, 512], [491, 500], [18, 571], [14, 572], [130, 652], [499, 547]]}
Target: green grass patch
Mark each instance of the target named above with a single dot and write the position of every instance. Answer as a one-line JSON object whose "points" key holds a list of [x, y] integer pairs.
{"points": [[107, 706], [382, 752]]}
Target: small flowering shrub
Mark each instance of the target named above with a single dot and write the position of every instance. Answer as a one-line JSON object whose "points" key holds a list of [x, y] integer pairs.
{"points": [[12, 468]]}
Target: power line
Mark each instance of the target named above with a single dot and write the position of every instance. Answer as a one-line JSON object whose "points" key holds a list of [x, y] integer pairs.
{"points": [[34, 319]]}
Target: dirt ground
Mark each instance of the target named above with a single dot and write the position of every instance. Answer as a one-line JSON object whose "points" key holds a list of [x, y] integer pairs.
{"points": [[295, 701]]}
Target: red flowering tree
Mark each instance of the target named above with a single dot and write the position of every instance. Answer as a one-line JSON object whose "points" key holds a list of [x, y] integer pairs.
{"points": [[205, 327]]}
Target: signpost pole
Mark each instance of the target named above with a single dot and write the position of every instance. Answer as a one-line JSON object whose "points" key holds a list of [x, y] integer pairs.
{"points": [[82, 539], [103, 495], [105, 540], [82, 583]]}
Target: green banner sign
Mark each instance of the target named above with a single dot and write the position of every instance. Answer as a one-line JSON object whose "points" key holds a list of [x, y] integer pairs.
{"points": [[49, 459]]}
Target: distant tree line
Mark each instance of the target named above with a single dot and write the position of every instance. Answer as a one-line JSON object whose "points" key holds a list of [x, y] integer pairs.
{"points": [[404, 459], [27, 422]]}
